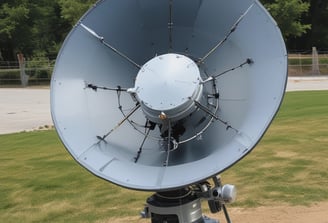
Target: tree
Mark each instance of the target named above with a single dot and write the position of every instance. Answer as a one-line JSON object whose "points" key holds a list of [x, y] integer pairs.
{"points": [[288, 14], [72, 10], [49, 26], [11, 17], [319, 19], [12, 21], [33, 27], [318, 34], [38, 27]]}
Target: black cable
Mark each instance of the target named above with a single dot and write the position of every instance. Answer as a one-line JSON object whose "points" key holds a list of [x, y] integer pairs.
{"points": [[95, 88]]}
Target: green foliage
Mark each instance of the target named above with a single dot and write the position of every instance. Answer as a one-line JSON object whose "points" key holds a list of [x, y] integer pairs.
{"points": [[72, 10], [38, 27], [306, 61], [11, 17], [288, 15], [10, 77], [319, 20], [32, 27]]}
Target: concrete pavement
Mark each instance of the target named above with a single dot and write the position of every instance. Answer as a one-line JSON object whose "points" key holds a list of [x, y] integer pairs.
{"points": [[25, 109]]}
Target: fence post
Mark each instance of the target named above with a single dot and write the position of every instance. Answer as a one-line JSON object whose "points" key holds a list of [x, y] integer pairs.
{"points": [[315, 62], [300, 63], [22, 64]]}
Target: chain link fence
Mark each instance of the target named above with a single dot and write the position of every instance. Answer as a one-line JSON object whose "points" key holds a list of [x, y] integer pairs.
{"points": [[39, 71], [308, 63]]}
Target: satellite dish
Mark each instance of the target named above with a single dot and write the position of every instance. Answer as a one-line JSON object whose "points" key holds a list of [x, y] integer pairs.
{"points": [[159, 95]]}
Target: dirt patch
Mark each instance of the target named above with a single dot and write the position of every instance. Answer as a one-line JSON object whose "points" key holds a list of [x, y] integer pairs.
{"points": [[283, 214], [286, 154], [317, 213]]}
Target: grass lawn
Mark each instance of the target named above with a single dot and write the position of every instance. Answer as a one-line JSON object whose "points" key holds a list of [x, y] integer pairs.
{"points": [[290, 164], [40, 182]]}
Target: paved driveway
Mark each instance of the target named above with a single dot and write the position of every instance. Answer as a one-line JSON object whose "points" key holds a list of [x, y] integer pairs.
{"points": [[29, 108], [24, 109]]}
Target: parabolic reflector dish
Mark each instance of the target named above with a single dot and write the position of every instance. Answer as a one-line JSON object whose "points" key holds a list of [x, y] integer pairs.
{"points": [[157, 95]]}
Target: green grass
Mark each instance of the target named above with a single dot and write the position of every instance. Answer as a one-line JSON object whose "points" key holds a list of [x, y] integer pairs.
{"points": [[40, 182], [306, 61], [290, 165]]}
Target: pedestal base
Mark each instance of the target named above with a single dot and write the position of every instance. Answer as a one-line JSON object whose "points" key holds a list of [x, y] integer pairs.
{"points": [[180, 206]]}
